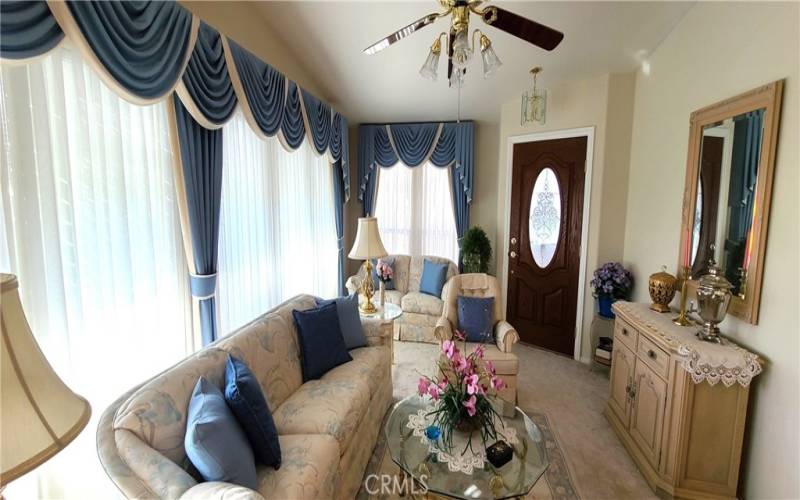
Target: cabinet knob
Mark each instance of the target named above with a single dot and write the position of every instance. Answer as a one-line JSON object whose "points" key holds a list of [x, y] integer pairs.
{"points": [[651, 354], [625, 331]]}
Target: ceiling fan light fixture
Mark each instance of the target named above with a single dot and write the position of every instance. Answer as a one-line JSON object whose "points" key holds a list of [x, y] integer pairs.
{"points": [[491, 63], [458, 78], [462, 52], [430, 68]]}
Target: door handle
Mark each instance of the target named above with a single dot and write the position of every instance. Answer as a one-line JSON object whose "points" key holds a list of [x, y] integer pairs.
{"points": [[513, 241], [513, 254]]}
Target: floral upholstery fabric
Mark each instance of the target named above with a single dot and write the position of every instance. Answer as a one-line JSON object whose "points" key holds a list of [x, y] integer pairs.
{"points": [[308, 469], [140, 436], [419, 319], [366, 365], [324, 407], [422, 303]]}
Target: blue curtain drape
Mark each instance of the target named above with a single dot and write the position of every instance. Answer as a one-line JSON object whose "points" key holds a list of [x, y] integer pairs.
{"points": [[264, 87], [143, 45], [201, 159], [444, 144], [293, 128], [338, 202], [745, 157], [206, 77], [319, 121], [27, 29]]}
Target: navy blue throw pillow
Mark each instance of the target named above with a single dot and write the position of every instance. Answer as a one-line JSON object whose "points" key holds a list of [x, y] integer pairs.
{"points": [[214, 441], [349, 320], [389, 285], [246, 399], [433, 277], [476, 318], [321, 342]]}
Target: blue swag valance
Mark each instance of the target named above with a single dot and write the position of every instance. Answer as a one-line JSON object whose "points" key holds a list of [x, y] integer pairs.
{"points": [[148, 51], [448, 144]]}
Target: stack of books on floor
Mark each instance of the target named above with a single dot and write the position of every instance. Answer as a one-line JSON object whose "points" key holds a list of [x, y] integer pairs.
{"points": [[602, 353]]}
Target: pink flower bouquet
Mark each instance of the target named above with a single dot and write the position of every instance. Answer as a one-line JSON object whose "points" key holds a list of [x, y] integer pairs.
{"points": [[384, 271], [461, 390]]}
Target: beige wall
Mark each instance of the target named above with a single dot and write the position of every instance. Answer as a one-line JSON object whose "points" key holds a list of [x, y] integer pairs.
{"points": [[244, 23], [712, 55], [605, 103]]}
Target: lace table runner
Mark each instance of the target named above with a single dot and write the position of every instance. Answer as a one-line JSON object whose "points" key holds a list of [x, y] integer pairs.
{"points": [[471, 459], [728, 363]]}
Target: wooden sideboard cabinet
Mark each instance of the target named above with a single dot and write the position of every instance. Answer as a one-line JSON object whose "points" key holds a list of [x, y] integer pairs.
{"points": [[685, 437]]}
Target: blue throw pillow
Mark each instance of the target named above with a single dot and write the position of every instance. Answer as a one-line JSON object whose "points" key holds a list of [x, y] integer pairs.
{"points": [[349, 320], [245, 398], [476, 318], [433, 276], [321, 342], [214, 442], [389, 285]]}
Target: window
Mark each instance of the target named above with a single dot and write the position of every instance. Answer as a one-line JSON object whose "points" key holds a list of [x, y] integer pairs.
{"points": [[414, 208], [91, 228], [277, 229]]}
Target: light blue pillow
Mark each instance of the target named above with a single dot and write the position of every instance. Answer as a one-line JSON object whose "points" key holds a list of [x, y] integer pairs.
{"points": [[476, 318], [433, 276], [349, 320], [214, 441]]}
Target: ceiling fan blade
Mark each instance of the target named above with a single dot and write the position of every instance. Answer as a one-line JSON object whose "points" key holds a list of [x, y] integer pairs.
{"points": [[531, 31], [401, 33]]}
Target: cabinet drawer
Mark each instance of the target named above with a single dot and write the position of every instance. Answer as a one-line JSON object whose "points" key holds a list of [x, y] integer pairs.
{"points": [[655, 357], [625, 333]]}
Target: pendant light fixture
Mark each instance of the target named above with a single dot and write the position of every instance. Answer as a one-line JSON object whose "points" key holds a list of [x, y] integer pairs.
{"points": [[534, 102]]}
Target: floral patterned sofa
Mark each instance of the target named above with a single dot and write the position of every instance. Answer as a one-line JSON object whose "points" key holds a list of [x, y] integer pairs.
{"points": [[420, 311], [327, 427]]}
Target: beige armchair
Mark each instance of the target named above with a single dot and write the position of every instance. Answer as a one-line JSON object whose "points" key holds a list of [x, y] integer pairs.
{"points": [[483, 285]]}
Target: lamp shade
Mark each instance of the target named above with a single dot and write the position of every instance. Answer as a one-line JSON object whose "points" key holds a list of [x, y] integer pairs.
{"points": [[40, 415], [368, 244]]}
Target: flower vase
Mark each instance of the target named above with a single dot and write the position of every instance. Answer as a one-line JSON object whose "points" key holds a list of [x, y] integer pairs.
{"points": [[383, 293], [604, 303], [468, 424]]}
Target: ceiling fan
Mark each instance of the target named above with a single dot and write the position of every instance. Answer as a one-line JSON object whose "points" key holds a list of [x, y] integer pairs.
{"points": [[459, 50]]}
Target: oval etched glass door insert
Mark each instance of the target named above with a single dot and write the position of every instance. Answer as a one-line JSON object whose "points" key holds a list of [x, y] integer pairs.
{"points": [[544, 221]]}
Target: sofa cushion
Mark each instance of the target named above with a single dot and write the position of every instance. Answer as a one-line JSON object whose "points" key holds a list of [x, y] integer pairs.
{"points": [[505, 363], [324, 407], [393, 297], [433, 278], [321, 342], [476, 318], [416, 265], [420, 303], [246, 400], [349, 320], [369, 364], [309, 469], [215, 443]]}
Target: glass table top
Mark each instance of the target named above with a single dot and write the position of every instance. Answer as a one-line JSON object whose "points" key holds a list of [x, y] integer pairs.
{"points": [[514, 479]]}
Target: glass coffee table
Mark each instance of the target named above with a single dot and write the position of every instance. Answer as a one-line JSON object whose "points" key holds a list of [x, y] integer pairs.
{"points": [[412, 453]]}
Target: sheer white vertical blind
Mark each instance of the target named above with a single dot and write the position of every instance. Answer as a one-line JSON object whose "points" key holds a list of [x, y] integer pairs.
{"points": [[277, 229], [90, 226], [414, 208]]}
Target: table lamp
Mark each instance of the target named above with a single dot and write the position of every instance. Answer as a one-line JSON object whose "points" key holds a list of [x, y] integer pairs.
{"points": [[367, 246], [40, 415]]}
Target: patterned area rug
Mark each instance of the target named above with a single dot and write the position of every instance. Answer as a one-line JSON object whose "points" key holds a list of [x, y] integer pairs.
{"points": [[555, 484]]}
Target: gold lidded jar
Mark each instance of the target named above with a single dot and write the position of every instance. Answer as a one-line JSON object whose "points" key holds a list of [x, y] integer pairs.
{"points": [[662, 290]]}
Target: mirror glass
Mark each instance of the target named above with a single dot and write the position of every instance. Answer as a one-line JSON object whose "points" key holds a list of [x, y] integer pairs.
{"points": [[730, 152], [544, 221]]}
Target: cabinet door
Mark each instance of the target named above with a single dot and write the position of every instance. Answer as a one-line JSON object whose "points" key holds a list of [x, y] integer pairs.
{"points": [[622, 369], [647, 415]]}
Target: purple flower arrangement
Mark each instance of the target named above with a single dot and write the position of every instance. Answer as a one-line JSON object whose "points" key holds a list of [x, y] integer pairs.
{"points": [[461, 391], [612, 280]]}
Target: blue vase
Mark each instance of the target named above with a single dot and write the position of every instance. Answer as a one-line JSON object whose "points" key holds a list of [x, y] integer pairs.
{"points": [[604, 306]]}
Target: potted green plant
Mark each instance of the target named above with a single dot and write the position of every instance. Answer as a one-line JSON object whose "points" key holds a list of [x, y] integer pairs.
{"points": [[476, 250]]}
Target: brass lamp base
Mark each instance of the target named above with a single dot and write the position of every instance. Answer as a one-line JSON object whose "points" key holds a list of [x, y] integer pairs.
{"points": [[367, 290]]}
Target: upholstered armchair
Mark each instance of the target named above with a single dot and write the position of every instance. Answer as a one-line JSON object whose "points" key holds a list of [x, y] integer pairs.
{"points": [[500, 353]]}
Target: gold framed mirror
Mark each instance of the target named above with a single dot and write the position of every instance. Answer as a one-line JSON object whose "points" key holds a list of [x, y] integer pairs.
{"points": [[726, 200]]}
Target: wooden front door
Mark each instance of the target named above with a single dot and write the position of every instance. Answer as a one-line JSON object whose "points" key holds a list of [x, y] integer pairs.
{"points": [[544, 241]]}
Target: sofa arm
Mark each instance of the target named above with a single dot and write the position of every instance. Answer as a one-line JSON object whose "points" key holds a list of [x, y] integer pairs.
{"points": [[378, 332], [352, 284], [443, 329], [218, 490], [505, 335]]}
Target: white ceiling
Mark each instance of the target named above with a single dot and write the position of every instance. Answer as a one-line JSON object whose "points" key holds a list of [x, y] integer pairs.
{"points": [[328, 37]]}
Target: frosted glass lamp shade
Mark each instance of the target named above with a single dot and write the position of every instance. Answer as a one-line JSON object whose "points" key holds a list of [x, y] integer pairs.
{"points": [[462, 52], [430, 68], [368, 244], [40, 415], [491, 63], [458, 78]]}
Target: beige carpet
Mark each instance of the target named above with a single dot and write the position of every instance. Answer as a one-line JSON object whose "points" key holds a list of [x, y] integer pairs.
{"points": [[567, 398]]}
